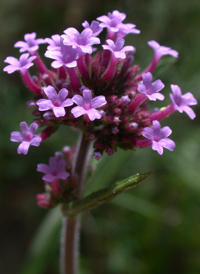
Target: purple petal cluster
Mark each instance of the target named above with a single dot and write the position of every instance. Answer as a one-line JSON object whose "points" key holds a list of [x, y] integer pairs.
{"points": [[64, 56], [88, 105], [117, 48], [151, 90], [54, 43], [112, 21], [54, 170], [125, 29], [31, 43], [82, 41], [24, 63], [26, 137], [56, 101], [162, 50], [158, 137], [181, 102], [96, 29]]}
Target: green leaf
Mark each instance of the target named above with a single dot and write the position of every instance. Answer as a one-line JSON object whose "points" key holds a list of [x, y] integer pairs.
{"points": [[44, 245], [102, 196]]}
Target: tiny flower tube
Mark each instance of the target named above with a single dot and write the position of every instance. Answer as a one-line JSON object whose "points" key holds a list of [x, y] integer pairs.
{"points": [[26, 137], [39, 63], [109, 72], [74, 80]]}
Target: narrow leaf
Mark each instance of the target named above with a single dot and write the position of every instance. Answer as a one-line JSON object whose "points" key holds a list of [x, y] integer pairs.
{"points": [[102, 196]]}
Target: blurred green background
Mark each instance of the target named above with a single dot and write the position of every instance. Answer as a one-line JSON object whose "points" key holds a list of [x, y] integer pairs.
{"points": [[152, 229]]}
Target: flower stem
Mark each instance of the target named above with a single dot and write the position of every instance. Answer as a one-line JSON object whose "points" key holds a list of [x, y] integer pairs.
{"points": [[71, 226]]}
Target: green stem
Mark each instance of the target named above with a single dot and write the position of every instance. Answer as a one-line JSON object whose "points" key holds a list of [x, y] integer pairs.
{"points": [[71, 226]]}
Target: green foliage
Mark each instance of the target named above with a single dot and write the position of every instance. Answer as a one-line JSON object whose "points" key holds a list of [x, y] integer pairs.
{"points": [[102, 196]]}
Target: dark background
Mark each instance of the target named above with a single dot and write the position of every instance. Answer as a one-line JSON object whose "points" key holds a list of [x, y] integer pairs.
{"points": [[152, 229]]}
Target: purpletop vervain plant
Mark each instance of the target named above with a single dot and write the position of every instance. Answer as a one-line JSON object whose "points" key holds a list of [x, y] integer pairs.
{"points": [[100, 92]]}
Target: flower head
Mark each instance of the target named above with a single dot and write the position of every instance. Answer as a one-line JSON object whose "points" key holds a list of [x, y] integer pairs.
{"points": [[56, 101], [31, 43], [82, 41], [88, 105], [181, 102], [158, 137], [54, 170], [151, 90], [26, 137], [23, 63], [117, 48]]}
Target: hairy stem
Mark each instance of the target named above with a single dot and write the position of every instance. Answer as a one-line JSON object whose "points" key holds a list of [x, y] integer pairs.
{"points": [[71, 226]]}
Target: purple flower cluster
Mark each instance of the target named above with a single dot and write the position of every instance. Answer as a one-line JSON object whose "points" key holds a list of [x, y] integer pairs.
{"points": [[101, 92]]}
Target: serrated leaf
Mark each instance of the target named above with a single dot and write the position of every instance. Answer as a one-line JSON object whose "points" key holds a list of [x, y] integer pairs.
{"points": [[102, 196]]}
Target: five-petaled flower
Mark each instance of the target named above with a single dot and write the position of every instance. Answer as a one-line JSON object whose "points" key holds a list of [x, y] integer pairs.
{"points": [[31, 43], [82, 41], [158, 137], [24, 63], [54, 170], [88, 105], [26, 137], [181, 102], [56, 101], [63, 56], [117, 48], [151, 90]]}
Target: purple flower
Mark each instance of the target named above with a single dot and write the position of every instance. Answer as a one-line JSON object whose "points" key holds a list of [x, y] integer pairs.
{"points": [[97, 155], [31, 43], [23, 63], [82, 41], [96, 29], [151, 90], [181, 102], [125, 29], [54, 170], [117, 48], [54, 43], [26, 137], [112, 21], [66, 56], [158, 137], [56, 102], [162, 50], [87, 105]]}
